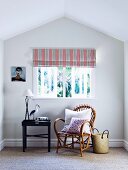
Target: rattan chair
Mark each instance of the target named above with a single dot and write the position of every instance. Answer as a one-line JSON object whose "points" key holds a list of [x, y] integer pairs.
{"points": [[68, 140]]}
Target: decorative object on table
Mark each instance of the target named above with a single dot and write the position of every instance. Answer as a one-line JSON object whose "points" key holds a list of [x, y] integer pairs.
{"points": [[18, 74], [41, 118], [33, 112], [28, 94], [100, 141]]}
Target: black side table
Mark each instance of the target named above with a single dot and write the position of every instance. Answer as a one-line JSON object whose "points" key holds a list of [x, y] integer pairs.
{"points": [[26, 123]]}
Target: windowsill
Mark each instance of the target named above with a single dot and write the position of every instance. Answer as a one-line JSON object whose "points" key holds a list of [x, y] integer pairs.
{"points": [[67, 98]]}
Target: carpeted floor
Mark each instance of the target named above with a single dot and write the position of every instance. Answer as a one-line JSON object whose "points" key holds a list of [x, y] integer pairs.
{"points": [[40, 159]]}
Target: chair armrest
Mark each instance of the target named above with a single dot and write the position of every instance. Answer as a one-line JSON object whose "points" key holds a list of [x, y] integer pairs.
{"points": [[56, 122], [82, 127]]}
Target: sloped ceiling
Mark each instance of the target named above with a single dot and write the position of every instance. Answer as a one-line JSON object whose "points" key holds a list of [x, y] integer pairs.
{"points": [[107, 16]]}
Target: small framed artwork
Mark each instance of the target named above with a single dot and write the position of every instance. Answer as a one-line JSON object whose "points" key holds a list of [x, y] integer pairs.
{"points": [[18, 74]]}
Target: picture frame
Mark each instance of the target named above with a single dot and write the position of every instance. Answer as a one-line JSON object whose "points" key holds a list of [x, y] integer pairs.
{"points": [[18, 74]]}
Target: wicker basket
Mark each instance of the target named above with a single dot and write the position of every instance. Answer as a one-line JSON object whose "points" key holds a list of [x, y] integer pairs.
{"points": [[101, 142]]}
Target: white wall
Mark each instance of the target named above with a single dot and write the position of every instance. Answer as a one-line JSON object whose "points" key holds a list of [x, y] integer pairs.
{"points": [[126, 95], [1, 91], [109, 76]]}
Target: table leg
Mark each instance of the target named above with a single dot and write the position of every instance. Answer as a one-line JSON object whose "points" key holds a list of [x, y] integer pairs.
{"points": [[49, 136], [24, 138]]}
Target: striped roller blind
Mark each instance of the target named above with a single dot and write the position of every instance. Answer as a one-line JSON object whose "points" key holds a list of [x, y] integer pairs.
{"points": [[64, 57]]}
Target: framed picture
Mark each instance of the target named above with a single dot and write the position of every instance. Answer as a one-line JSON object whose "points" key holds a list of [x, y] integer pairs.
{"points": [[18, 74]]}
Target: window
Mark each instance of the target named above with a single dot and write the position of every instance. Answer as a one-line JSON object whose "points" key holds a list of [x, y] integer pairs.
{"points": [[64, 82], [64, 73]]}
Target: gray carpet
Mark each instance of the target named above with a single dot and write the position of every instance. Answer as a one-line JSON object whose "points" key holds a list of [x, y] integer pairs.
{"points": [[40, 159]]}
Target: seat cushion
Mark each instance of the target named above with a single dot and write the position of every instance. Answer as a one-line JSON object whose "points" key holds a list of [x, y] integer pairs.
{"points": [[85, 114]]}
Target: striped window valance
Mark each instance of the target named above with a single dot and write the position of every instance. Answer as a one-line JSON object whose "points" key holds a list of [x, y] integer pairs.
{"points": [[64, 57]]}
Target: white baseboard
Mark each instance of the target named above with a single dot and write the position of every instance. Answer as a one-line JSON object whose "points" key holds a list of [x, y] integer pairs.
{"points": [[30, 142], [44, 143], [116, 143], [2, 145], [126, 145]]}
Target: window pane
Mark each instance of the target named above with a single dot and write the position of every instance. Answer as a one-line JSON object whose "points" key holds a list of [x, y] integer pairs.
{"points": [[39, 81], [68, 87], [92, 82], [78, 84], [83, 79], [88, 82], [60, 82], [46, 81], [77, 81], [49, 85]]}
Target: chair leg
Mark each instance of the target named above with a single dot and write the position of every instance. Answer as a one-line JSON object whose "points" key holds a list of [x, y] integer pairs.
{"points": [[84, 146], [72, 142], [58, 143], [88, 142], [81, 147], [65, 140], [57, 146]]}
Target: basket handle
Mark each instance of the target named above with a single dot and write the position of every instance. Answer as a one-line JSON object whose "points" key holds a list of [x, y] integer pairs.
{"points": [[105, 132], [95, 129]]}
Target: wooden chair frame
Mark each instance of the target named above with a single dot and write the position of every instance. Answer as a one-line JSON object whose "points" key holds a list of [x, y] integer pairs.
{"points": [[83, 139]]}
